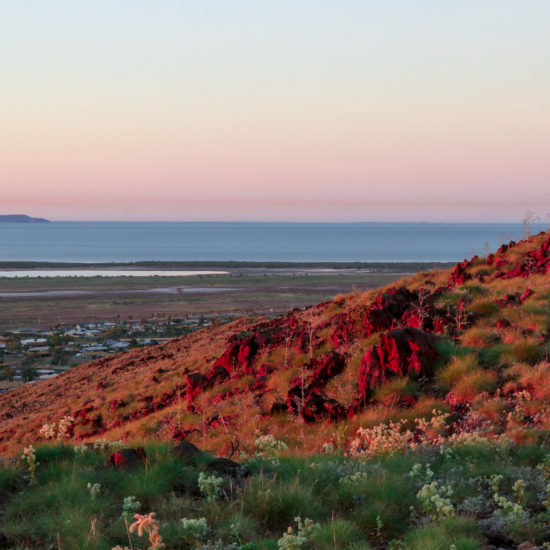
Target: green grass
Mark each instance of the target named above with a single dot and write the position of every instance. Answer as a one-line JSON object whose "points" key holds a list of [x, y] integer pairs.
{"points": [[357, 504], [462, 532]]}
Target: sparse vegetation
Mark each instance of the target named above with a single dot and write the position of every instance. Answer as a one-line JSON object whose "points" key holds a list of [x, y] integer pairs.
{"points": [[420, 499], [398, 419]]}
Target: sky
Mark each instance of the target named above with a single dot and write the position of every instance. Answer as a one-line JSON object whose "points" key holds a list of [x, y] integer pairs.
{"points": [[286, 110]]}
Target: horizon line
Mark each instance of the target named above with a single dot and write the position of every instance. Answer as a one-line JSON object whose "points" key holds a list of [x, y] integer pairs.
{"points": [[301, 222]]}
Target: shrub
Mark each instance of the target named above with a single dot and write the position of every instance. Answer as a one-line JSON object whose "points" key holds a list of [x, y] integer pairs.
{"points": [[292, 540], [436, 501], [210, 486]]}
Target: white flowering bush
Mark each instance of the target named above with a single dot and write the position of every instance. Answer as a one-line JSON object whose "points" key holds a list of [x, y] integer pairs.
{"points": [[394, 437], [130, 505], [106, 445], [48, 431], [94, 489], [194, 529], [269, 448], [352, 479], [328, 449], [384, 438], [59, 431], [416, 472], [512, 511], [29, 458], [436, 501], [210, 486], [64, 426], [292, 540]]}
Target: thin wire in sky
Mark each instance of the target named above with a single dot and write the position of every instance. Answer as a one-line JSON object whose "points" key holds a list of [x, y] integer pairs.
{"points": [[501, 209]]}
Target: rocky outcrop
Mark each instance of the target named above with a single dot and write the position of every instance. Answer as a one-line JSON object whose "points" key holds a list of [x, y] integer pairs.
{"points": [[402, 352]]}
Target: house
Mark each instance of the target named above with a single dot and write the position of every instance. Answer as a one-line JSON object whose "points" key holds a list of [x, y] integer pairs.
{"points": [[43, 351], [27, 342]]}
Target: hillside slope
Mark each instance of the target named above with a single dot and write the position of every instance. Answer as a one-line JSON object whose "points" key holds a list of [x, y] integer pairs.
{"points": [[472, 341]]}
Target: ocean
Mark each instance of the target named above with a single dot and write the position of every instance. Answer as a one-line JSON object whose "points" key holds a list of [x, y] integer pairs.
{"points": [[247, 241]]}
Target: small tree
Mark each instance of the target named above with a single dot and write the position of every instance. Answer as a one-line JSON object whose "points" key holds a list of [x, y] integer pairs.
{"points": [[8, 373], [29, 373]]}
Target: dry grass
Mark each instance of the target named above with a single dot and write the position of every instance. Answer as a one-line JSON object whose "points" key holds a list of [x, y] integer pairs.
{"points": [[479, 337], [473, 376], [458, 367], [475, 382], [524, 350]]}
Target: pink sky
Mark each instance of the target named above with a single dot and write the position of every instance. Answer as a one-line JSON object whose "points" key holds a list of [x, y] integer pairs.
{"points": [[297, 112]]}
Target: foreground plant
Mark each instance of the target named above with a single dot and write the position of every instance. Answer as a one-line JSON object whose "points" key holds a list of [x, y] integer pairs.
{"points": [[210, 486], [194, 530], [269, 448], [94, 489], [436, 501], [147, 524], [295, 541], [29, 457], [130, 506], [63, 429]]}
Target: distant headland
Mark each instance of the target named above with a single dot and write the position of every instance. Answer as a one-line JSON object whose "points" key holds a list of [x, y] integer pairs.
{"points": [[21, 218]]}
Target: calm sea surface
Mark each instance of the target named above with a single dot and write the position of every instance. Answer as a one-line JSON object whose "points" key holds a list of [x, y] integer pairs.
{"points": [[133, 241]]}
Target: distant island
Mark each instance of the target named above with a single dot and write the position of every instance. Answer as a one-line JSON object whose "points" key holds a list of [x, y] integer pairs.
{"points": [[21, 218]]}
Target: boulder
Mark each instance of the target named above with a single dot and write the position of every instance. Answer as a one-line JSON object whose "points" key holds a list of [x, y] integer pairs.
{"points": [[126, 458], [401, 352], [186, 451]]}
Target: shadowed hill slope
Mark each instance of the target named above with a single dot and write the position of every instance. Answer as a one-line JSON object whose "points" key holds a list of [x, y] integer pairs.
{"points": [[472, 341]]}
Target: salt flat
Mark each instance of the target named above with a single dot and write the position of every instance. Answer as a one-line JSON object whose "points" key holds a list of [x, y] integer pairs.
{"points": [[103, 273]]}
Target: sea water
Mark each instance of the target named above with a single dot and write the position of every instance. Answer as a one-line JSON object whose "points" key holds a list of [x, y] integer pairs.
{"points": [[259, 242]]}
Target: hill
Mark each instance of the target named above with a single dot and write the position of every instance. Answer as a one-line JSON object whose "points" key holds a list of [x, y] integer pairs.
{"points": [[21, 218], [471, 342], [413, 417]]}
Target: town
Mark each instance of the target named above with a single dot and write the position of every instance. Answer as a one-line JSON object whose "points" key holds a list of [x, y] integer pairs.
{"points": [[30, 353]]}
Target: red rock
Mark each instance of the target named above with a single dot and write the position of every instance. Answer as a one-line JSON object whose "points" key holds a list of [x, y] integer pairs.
{"points": [[317, 406], [324, 368], [196, 382], [402, 352], [126, 458], [503, 323], [507, 300], [459, 275], [526, 294]]}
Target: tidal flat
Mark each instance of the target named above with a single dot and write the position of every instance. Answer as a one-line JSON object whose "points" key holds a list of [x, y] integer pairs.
{"points": [[249, 289]]}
